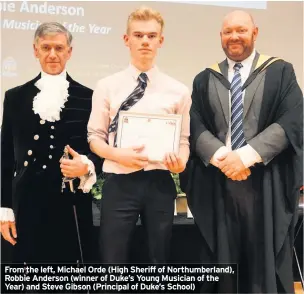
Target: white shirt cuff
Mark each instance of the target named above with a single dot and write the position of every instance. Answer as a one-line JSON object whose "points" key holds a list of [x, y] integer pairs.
{"points": [[6, 214], [87, 181], [248, 155]]}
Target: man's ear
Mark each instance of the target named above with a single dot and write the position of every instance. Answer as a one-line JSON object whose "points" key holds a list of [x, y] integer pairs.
{"points": [[35, 50], [70, 52], [126, 39], [161, 41], [255, 33]]}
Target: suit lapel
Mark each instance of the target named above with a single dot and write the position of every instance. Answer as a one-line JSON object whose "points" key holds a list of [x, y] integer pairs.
{"points": [[251, 85], [250, 92], [30, 92], [254, 63], [257, 72], [69, 100], [223, 92], [224, 68], [223, 96], [76, 109], [31, 89]]}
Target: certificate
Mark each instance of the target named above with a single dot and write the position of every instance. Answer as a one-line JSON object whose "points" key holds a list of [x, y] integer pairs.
{"points": [[159, 133]]}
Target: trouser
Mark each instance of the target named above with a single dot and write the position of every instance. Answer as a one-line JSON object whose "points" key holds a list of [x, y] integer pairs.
{"points": [[149, 194], [244, 220]]}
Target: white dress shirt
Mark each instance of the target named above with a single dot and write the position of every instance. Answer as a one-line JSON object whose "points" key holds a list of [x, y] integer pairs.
{"points": [[247, 154], [163, 95]]}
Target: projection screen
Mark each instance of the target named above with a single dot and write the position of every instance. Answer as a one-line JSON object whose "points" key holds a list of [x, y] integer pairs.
{"points": [[192, 39]]}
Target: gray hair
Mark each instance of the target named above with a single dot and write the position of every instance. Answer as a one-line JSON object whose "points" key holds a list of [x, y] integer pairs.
{"points": [[51, 28]]}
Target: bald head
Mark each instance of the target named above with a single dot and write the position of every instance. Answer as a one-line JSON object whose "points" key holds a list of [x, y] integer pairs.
{"points": [[238, 35], [238, 16]]}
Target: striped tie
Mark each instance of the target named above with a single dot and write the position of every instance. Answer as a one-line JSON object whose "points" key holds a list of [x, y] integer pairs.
{"points": [[131, 100], [237, 133]]}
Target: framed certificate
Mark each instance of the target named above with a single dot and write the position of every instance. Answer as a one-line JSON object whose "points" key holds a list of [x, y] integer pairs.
{"points": [[159, 133]]}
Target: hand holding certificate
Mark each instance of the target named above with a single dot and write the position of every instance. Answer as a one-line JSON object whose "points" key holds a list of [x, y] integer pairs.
{"points": [[159, 133]]}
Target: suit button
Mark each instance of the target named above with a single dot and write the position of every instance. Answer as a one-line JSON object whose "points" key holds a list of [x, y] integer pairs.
{"points": [[52, 137], [52, 127], [36, 137], [42, 122], [44, 167], [51, 146], [25, 163], [30, 152], [15, 174], [50, 156]]}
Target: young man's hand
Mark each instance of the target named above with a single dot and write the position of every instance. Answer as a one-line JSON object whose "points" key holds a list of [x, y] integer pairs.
{"points": [[174, 163], [132, 157]]}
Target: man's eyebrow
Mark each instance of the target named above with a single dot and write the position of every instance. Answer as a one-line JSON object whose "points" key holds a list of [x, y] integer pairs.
{"points": [[138, 32]]}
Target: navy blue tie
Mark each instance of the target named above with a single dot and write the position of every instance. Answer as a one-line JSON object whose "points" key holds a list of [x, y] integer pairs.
{"points": [[237, 132], [131, 100]]}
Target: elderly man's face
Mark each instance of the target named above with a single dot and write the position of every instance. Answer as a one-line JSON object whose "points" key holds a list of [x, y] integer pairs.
{"points": [[238, 36], [53, 53]]}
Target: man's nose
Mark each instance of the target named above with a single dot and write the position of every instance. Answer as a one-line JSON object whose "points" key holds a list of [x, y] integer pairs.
{"points": [[234, 35], [145, 40], [52, 53]]}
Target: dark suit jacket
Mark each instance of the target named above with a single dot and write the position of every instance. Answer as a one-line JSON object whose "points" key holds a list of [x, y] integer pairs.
{"points": [[31, 148]]}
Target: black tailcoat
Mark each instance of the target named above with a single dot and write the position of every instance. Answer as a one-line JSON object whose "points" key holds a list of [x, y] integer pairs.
{"points": [[31, 178]]}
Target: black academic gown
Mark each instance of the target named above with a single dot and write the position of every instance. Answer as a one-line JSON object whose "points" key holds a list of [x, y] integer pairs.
{"points": [[277, 183], [31, 178]]}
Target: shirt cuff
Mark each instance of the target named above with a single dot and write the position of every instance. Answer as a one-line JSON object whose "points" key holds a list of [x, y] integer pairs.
{"points": [[6, 214], [248, 155], [87, 181]]}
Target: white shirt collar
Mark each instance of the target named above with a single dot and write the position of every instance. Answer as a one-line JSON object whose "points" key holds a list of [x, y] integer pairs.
{"points": [[246, 62], [135, 72]]}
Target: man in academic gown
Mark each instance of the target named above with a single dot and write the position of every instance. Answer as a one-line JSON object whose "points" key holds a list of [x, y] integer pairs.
{"points": [[40, 118], [246, 163]]}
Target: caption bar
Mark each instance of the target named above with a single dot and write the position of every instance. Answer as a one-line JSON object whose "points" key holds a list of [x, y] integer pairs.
{"points": [[112, 278]]}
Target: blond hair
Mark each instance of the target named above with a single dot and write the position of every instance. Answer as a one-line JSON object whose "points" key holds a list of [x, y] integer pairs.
{"points": [[145, 13]]}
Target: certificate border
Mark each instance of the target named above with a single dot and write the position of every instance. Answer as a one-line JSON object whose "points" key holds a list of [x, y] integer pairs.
{"points": [[175, 117]]}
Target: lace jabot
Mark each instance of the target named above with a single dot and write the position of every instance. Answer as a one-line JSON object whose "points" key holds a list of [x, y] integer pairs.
{"points": [[53, 94]]}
